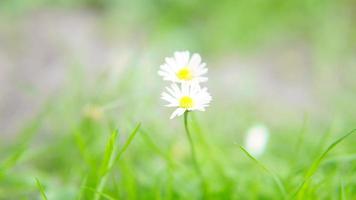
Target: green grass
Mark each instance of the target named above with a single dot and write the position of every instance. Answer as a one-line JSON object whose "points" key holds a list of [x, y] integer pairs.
{"points": [[314, 167], [277, 180], [78, 154], [110, 138], [113, 157], [41, 189]]}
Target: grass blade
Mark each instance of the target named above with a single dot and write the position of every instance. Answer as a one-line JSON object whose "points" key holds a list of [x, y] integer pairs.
{"points": [[28, 133], [128, 142], [276, 179], [110, 157], [106, 196], [81, 191], [109, 154], [107, 163], [41, 189], [317, 162], [342, 191], [79, 140]]}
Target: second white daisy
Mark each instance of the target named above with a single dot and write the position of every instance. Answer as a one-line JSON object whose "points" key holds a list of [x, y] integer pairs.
{"points": [[256, 140], [183, 68], [188, 97]]}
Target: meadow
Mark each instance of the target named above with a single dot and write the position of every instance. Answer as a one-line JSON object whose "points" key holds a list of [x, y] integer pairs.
{"points": [[104, 133]]}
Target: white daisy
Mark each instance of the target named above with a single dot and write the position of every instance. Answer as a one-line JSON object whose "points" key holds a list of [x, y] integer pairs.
{"points": [[188, 97], [256, 140], [181, 68]]}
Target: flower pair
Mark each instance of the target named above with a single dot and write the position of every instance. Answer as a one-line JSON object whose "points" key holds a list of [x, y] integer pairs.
{"points": [[186, 73]]}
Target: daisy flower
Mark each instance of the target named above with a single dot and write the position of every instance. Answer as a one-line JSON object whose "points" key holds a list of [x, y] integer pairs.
{"points": [[256, 140], [187, 97], [183, 68]]}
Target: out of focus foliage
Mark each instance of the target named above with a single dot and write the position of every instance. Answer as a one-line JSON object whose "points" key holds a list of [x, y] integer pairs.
{"points": [[219, 26]]}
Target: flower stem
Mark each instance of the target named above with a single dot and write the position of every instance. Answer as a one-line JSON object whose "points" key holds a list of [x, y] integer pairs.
{"points": [[194, 157]]}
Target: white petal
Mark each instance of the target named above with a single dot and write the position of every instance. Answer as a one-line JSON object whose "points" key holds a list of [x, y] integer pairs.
{"points": [[162, 73], [176, 89], [176, 104], [182, 58], [195, 60], [202, 79], [171, 62], [201, 72], [185, 87], [168, 98], [177, 112]]}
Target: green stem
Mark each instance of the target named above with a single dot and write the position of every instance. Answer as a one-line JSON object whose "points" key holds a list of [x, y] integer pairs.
{"points": [[194, 157]]}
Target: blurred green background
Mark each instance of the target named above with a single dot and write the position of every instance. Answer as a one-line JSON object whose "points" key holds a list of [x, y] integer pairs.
{"points": [[71, 72]]}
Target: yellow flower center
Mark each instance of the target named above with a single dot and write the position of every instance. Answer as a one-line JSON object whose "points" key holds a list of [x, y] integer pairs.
{"points": [[186, 102], [184, 74]]}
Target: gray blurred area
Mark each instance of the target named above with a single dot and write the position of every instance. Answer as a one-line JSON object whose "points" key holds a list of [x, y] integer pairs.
{"points": [[34, 64], [34, 52]]}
